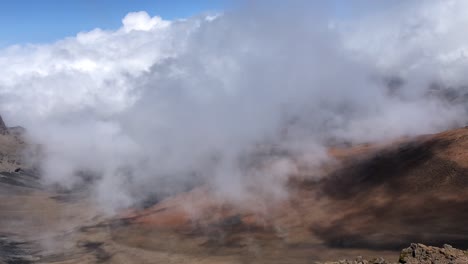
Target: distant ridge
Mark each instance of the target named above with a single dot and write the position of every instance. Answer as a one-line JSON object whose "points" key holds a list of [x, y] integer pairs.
{"points": [[3, 127]]}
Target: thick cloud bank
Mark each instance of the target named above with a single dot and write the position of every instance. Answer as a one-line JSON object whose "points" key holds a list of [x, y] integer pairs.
{"points": [[156, 105]]}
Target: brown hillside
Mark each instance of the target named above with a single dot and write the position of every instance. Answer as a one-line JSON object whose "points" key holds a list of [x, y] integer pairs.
{"points": [[379, 197], [373, 200]]}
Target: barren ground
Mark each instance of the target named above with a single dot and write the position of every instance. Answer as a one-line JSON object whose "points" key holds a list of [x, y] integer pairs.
{"points": [[376, 200]]}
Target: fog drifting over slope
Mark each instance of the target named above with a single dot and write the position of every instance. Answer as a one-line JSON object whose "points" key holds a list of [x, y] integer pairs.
{"points": [[156, 104]]}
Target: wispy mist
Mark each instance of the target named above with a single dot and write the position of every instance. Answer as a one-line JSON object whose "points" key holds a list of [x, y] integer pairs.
{"points": [[156, 105]]}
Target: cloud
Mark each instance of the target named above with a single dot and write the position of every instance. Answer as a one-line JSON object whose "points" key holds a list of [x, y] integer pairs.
{"points": [[157, 106], [142, 21], [417, 39]]}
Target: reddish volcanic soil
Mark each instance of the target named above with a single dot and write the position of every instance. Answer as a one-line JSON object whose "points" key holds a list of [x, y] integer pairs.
{"points": [[374, 200], [377, 199]]}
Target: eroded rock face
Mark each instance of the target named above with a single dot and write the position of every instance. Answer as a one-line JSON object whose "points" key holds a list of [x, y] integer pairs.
{"points": [[416, 254], [419, 253]]}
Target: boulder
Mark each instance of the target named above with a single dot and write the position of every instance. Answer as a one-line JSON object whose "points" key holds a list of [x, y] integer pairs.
{"points": [[416, 254], [419, 253]]}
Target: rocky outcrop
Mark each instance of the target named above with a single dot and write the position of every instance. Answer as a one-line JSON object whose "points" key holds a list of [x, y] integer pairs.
{"points": [[417, 254], [12, 147], [3, 127]]}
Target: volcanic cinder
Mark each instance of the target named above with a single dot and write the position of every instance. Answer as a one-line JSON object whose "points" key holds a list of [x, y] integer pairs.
{"points": [[372, 201]]}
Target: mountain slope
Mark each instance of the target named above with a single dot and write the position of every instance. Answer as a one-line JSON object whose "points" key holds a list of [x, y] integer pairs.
{"points": [[372, 200]]}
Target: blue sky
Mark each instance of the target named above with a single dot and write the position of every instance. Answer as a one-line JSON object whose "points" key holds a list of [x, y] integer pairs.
{"points": [[44, 21], [40, 21]]}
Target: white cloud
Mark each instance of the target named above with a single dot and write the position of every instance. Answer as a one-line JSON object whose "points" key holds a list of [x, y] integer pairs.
{"points": [[142, 21], [87, 70], [156, 105], [417, 38]]}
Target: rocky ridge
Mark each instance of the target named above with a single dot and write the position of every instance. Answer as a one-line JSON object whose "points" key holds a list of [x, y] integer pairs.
{"points": [[416, 254]]}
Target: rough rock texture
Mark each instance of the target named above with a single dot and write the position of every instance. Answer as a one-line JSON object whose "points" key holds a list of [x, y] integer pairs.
{"points": [[417, 254]]}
